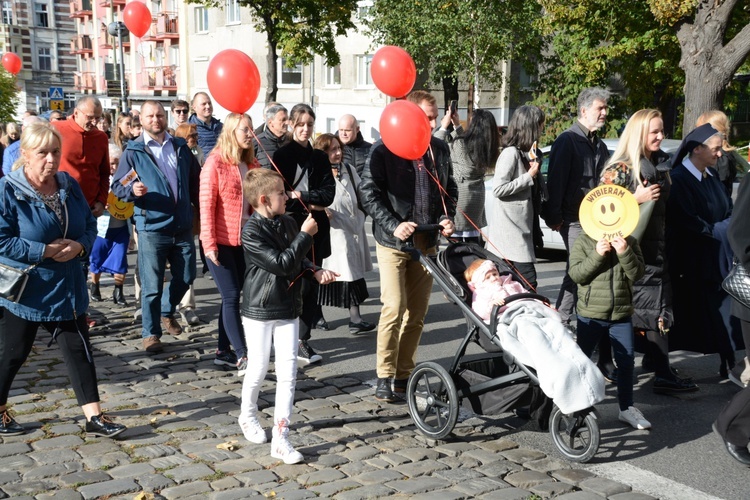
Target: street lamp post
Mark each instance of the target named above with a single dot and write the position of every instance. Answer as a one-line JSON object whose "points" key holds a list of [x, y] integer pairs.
{"points": [[119, 29]]}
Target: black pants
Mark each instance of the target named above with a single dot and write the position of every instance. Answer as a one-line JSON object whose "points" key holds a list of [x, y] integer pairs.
{"points": [[528, 271], [311, 310], [17, 336], [733, 423]]}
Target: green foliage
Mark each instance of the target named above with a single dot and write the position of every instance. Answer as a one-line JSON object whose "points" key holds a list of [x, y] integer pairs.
{"points": [[8, 96], [609, 44], [459, 38]]}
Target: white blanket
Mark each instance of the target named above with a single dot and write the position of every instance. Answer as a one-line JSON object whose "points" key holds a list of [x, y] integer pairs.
{"points": [[534, 334]]}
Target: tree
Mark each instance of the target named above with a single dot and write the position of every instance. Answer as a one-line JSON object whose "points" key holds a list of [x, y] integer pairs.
{"points": [[609, 44], [298, 29], [459, 39], [8, 97], [714, 38]]}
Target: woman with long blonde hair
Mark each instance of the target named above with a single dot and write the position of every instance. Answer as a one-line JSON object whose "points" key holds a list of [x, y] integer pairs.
{"points": [[223, 212], [639, 165]]}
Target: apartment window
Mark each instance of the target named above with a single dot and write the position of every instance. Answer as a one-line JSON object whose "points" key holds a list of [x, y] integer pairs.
{"points": [[364, 79], [333, 76], [44, 58], [174, 55], [363, 9], [7, 12], [41, 15], [201, 20], [233, 11], [288, 76]]}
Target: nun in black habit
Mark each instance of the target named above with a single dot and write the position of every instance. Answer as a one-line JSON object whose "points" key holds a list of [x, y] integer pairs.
{"points": [[698, 214]]}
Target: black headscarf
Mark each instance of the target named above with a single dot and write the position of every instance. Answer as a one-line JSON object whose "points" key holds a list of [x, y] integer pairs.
{"points": [[694, 139]]}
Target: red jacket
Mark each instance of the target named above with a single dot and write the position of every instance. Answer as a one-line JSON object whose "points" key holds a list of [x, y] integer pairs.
{"points": [[85, 156], [221, 203]]}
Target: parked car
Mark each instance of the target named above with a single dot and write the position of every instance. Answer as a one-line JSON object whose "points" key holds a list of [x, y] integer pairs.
{"points": [[552, 239]]}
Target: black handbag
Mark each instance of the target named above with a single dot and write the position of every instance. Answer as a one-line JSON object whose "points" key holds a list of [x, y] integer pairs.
{"points": [[13, 282], [737, 284]]}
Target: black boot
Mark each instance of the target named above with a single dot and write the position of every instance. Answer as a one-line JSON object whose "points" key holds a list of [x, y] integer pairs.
{"points": [[96, 295], [118, 297]]}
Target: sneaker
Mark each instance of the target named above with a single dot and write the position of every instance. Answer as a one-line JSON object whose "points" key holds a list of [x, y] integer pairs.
{"points": [[383, 391], [8, 426], [282, 449], [633, 417], [152, 344], [189, 316], [241, 367], [226, 358], [306, 355], [171, 325], [322, 324], [252, 429], [103, 426], [740, 374]]}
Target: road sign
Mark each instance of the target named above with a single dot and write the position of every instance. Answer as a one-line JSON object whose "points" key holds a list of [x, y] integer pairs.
{"points": [[57, 105], [56, 93]]}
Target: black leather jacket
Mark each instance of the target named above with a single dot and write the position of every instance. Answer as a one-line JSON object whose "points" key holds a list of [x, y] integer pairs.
{"points": [[269, 144], [387, 190], [274, 257], [356, 153]]}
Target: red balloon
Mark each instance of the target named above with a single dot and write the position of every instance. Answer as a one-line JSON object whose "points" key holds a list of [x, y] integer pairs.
{"points": [[137, 18], [11, 62], [234, 80], [393, 71], [405, 129]]}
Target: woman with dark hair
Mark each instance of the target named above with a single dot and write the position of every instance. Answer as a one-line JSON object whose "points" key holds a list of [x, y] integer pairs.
{"points": [[513, 213], [473, 154], [310, 188], [350, 252]]}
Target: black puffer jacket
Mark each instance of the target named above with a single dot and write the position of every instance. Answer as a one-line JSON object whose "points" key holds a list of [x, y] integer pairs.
{"points": [[387, 189], [356, 153], [269, 144], [274, 257]]}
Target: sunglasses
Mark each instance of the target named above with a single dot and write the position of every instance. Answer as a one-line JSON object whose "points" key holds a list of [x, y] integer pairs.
{"points": [[181, 111]]}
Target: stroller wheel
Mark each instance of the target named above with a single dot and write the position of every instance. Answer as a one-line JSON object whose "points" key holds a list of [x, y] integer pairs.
{"points": [[576, 436], [433, 400]]}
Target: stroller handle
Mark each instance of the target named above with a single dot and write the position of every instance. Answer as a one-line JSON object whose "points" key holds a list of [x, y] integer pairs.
{"points": [[427, 228]]}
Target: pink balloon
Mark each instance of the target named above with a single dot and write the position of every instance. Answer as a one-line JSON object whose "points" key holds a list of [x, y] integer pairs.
{"points": [[12, 62], [234, 80], [137, 18], [393, 71], [405, 129]]}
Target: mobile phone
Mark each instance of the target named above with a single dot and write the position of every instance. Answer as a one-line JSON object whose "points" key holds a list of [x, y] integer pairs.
{"points": [[454, 106]]}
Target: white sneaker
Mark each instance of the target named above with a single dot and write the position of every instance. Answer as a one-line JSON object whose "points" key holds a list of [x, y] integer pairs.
{"points": [[633, 417], [252, 429], [282, 449]]}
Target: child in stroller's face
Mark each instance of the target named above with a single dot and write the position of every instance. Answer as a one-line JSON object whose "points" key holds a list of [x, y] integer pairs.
{"points": [[489, 287]]}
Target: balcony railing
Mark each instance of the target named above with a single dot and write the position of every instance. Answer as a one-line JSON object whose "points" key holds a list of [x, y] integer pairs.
{"points": [[80, 8], [111, 3], [81, 44], [105, 40], [160, 77], [164, 27], [85, 81]]}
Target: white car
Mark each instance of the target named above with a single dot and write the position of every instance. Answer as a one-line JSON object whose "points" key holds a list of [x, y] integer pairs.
{"points": [[552, 239]]}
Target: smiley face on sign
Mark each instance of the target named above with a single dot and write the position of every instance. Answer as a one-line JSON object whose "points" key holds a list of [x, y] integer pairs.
{"points": [[608, 211], [119, 209]]}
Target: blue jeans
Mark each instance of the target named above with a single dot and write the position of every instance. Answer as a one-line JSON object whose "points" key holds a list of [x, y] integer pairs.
{"points": [[154, 251], [621, 334], [229, 276]]}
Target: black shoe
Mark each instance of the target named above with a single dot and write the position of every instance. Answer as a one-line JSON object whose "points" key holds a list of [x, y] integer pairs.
{"points": [[399, 385], [96, 295], [8, 426], [673, 385], [306, 355], [102, 426], [738, 453], [383, 391], [361, 327], [610, 375], [322, 324], [118, 297]]}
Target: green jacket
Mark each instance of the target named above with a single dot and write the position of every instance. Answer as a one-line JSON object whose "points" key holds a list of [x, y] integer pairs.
{"points": [[605, 283]]}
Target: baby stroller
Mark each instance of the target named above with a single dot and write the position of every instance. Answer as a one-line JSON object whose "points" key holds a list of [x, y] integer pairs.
{"points": [[490, 383]]}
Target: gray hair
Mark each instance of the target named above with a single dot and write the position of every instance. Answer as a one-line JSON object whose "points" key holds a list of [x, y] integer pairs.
{"points": [[88, 99], [587, 97], [273, 109], [114, 151]]}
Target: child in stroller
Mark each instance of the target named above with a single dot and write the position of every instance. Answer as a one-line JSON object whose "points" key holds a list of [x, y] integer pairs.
{"points": [[534, 334]]}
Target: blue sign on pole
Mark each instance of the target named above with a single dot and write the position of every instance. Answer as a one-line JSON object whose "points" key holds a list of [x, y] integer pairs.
{"points": [[56, 93]]}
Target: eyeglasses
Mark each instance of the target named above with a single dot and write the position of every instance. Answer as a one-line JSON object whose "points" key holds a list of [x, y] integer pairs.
{"points": [[181, 111]]}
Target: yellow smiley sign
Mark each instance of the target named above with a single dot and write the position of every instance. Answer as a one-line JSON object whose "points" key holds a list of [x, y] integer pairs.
{"points": [[608, 211], [119, 209]]}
